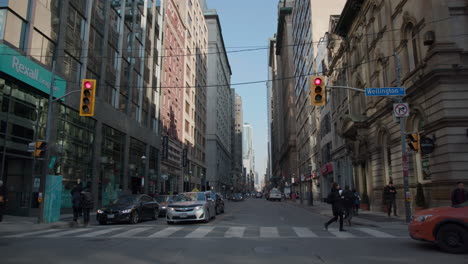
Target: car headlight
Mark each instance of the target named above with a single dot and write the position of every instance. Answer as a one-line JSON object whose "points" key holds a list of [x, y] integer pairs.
{"points": [[164, 207], [100, 211], [422, 218], [198, 207], [126, 211], [171, 209]]}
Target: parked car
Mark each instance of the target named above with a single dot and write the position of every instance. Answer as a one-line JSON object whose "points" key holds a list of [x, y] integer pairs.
{"points": [[129, 208], [163, 201], [219, 203], [191, 206], [237, 197], [275, 195], [258, 195], [445, 226]]}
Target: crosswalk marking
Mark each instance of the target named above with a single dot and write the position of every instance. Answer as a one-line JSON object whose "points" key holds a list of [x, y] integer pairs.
{"points": [[101, 232], [69, 232], [375, 233], [339, 234], [132, 232], [200, 232], [235, 231], [166, 232], [268, 232], [304, 232], [209, 232], [33, 233]]}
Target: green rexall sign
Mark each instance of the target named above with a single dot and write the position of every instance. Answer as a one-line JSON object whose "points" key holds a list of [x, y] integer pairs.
{"points": [[19, 66]]}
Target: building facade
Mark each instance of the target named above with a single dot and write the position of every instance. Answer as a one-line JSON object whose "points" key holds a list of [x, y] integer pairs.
{"points": [[116, 150], [220, 109], [310, 22], [284, 154], [237, 142], [247, 156], [427, 37]]}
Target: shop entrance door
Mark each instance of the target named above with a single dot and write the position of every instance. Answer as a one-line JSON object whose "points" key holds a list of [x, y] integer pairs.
{"points": [[18, 181]]}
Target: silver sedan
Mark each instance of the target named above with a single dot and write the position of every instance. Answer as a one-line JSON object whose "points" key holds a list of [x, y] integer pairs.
{"points": [[192, 206]]}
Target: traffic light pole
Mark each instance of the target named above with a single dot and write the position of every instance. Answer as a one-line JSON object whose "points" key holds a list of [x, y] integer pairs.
{"points": [[404, 153]]}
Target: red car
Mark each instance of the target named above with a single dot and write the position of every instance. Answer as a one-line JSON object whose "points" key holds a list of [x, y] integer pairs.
{"points": [[445, 226]]}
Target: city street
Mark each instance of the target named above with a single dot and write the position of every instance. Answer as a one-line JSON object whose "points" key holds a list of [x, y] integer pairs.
{"points": [[251, 231]]}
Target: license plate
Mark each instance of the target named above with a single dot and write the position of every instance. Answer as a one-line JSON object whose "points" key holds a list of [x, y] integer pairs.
{"points": [[110, 216], [183, 215]]}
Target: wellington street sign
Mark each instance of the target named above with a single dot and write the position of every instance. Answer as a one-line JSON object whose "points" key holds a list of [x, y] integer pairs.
{"points": [[386, 91]]}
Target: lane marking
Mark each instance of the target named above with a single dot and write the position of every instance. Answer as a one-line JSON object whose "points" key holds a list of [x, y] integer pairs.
{"points": [[200, 232], [339, 234], [304, 232], [375, 233], [100, 232], [69, 232], [235, 231], [269, 232], [166, 232], [33, 233], [132, 232]]}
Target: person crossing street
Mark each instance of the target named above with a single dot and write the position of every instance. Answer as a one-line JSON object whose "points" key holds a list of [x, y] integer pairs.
{"points": [[335, 200]]}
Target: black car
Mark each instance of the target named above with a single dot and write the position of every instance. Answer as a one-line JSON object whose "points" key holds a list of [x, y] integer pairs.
{"points": [[219, 207], [129, 208], [237, 197]]}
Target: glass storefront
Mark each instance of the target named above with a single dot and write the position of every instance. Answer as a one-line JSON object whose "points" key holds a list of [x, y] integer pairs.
{"points": [[75, 138], [112, 160], [136, 165]]}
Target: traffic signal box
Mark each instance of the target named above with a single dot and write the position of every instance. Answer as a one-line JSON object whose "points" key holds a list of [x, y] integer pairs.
{"points": [[414, 141], [88, 96], [39, 149], [317, 91]]}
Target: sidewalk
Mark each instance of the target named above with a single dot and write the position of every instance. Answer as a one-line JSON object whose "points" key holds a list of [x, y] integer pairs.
{"points": [[15, 224], [368, 218]]}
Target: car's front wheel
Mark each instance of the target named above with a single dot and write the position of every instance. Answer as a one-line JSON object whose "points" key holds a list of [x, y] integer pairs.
{"points": [[453, 238], [155, 214], [134, 218]]}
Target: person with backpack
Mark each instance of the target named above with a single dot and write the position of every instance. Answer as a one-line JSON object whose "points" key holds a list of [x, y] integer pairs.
{"points": [[87, 203], [357, 201], [76, 201], [348, 203], [335, 200]]}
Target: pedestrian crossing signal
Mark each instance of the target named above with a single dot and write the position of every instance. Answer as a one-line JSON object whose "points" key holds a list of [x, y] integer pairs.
{"points": [[413, 143], [88, 96], [40, 149]]}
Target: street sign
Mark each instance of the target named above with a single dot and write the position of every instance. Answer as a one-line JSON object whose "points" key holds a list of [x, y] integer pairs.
{"points": [[401, 110], [426, 145], [386, 91]]}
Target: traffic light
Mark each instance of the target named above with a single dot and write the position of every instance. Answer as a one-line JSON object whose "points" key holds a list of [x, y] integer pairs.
{"points": [[317, 91], [413, 143], [88, 95], [39, 149]]}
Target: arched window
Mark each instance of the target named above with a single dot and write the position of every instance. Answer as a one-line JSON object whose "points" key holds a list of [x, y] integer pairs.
{"points": [[411, 37], [416, 124]]}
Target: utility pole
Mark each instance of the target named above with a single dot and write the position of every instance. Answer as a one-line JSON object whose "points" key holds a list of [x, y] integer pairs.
{"points": [[403, 145]]}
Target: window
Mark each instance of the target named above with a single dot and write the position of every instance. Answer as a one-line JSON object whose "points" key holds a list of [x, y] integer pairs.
{"points": [[411, 36]]}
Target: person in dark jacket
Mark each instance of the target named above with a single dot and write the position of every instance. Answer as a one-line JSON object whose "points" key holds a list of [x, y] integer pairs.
{"points": [[76, 200], [459, 195], [334, 198], [389, 197], [3, 199], [348, 202], [87, 203]]}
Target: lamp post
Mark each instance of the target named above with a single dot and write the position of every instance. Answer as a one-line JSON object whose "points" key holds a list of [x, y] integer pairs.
{"points": [[143, 175]]}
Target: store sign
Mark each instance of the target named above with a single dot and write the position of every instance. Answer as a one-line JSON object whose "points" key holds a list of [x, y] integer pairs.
{"points": [[326, 169], [20, 67]]}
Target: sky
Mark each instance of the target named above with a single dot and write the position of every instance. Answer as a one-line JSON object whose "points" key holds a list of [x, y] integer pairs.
{"points": [[247, 23]]}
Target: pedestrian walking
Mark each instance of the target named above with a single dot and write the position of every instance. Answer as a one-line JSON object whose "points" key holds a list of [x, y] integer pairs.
{"points": [[459, 195], [348, 202], [389, 197], [335, 200], [76, 201], [357, 201], [87, 203], [3, 199]]}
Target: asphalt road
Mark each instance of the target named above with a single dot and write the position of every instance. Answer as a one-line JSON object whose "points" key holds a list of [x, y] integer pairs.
{"points": [[253, 231]]}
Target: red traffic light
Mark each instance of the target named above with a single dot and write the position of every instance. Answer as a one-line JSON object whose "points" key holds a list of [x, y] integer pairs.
{"points": [[88, 85], [318, 81]]}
